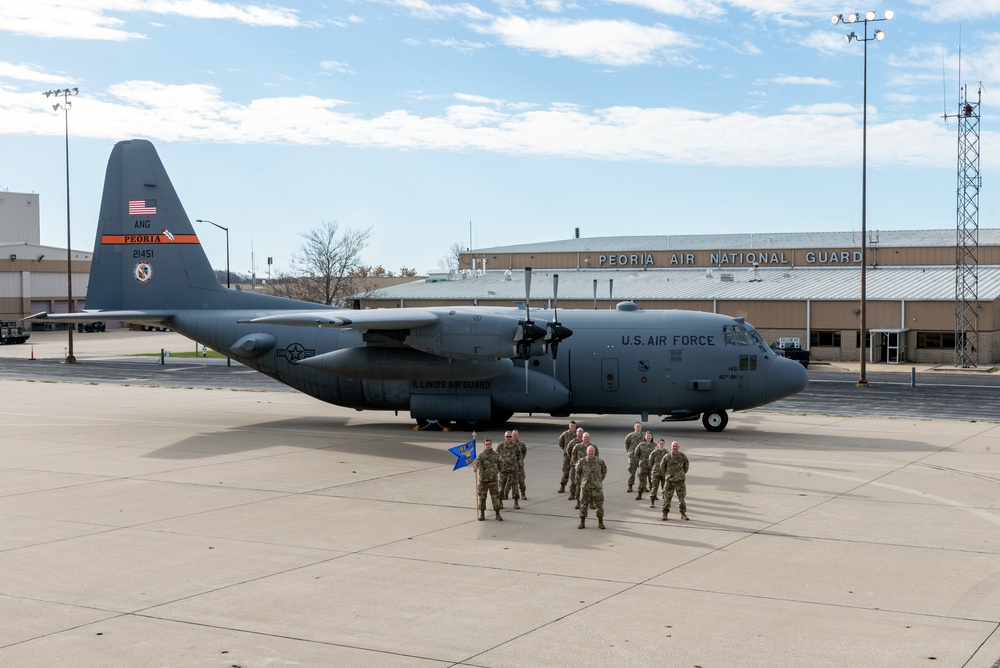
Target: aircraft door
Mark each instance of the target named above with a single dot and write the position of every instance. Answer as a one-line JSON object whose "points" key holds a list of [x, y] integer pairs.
{"points": [[609, 375]]}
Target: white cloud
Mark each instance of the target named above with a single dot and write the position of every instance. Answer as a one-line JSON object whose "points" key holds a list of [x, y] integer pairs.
{"points": [[956, 10], [689, 9], [802, 81], [98, 20], [335, 66], [426, 10], [618, 43], [27, 72], [800, 136]]}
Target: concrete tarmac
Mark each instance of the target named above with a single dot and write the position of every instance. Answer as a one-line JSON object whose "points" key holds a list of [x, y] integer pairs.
{"points": [[148, 526]]}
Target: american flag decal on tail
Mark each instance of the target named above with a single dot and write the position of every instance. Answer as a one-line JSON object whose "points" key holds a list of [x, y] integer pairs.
{"points": [[142, 207]]}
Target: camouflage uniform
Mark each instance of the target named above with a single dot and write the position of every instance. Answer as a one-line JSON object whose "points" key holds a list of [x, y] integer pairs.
{"points": [[591, 473], [674, 469], [522, 452], [508, 470], [578, 451], [569, 464], [641, 453], [564, 439], [488, 466], [632, 440], [655, 474]]}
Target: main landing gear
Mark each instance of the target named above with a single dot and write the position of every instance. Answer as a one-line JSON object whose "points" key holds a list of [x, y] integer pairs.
{"points": [[716, 421]]}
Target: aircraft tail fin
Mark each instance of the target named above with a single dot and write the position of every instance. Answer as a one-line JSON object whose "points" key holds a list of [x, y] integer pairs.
{"points": [[146, 254]]}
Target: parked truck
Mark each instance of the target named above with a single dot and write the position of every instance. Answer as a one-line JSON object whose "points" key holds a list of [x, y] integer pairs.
{"points": [[791, 348], [11, 331]]}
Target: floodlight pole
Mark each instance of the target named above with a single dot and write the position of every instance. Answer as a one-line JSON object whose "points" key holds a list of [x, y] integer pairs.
{"points": [[66, 105], [229, 360], [226, 230], [878, 35]]}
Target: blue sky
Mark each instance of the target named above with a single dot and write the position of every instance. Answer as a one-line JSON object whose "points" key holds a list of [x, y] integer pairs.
{"points": [[520, 120]]}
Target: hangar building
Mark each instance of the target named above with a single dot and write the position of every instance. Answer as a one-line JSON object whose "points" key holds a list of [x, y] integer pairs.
{"points": [[805, 285], [33, 278]]}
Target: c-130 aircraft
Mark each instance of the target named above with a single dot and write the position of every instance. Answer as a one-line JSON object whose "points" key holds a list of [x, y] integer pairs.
{"points": [[443, 364]]}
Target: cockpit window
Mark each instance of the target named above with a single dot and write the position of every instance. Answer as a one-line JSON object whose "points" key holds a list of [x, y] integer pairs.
{"points": [[736, 335]]}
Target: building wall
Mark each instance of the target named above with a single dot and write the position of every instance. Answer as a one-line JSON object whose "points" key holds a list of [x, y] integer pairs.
{"points": [[19, 218]]}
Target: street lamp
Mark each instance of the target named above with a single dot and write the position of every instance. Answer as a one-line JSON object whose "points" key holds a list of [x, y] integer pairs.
{"points": [[66, 105], [869, 17], [226, 229]]}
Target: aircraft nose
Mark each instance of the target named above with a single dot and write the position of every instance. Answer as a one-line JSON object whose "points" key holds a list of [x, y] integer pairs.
{"points": [[785, 377]]}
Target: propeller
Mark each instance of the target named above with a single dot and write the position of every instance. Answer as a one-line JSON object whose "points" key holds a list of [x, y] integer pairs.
{"points": [[527, 332], [611, 287], [556, 331]]}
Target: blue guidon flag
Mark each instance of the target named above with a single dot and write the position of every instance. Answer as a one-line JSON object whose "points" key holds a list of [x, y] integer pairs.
{"points": [[466, 454]]}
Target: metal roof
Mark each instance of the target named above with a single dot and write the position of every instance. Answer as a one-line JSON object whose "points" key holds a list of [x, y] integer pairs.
{"points": [[771, 284], [749, 241]]}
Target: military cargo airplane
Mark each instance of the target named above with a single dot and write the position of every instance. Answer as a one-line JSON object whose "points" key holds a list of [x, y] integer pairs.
{"points": [[443, 364]]}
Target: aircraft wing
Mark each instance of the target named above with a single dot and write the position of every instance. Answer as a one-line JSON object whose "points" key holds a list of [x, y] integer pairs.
{"points": [[92, 316], [352, 319]]}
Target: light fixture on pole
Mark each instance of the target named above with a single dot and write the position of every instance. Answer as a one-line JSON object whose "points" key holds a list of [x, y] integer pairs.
{"points": [[66, 105], [878, 35], [229, 360], [226, 230]]}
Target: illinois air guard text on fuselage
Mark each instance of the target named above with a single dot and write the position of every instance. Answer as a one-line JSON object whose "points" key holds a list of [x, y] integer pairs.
{"points": [[469, 364]]}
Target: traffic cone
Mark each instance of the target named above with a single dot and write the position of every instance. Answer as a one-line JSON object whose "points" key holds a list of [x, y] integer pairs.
{"points": [[32, 353]]}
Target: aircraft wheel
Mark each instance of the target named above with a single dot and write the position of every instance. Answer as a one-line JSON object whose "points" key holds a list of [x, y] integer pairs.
{"points": [[715, 421], [433, 425]]}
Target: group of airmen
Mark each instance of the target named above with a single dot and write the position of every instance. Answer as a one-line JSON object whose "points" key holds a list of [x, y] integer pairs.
{"points": [[501, 472]]}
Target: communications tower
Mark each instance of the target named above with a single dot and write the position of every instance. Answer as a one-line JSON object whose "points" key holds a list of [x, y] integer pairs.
{"points": [[967, 239]]}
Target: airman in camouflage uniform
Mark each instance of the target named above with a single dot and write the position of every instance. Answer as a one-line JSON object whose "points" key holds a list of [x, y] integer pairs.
{"points": [[565, 438], [522, 452], [508, 468], [591, 471], [655, 474], [632, 440], [580, 452], [642, 451], [674, 466], [487, 467], [569, 461]]}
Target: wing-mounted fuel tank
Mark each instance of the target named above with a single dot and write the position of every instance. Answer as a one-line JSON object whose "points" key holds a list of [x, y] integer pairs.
{"points": [[403, 364], [466, 335]]}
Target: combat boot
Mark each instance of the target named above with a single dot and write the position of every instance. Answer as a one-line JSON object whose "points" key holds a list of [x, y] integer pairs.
{"points": [[577, 506], [501, 503], [499, 519], [638, 497], [583, 523], [482, 514], [516, 506], [664, 516], [524, 495], [600, 522], [684, 516], [629, 490], [562, 489], [652, 502]]}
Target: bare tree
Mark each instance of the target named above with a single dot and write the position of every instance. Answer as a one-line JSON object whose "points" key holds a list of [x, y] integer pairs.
{"points": [[325, 269], [451, 260]]}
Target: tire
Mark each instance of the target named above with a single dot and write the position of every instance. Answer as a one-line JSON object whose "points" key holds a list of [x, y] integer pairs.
{"points": [[715, 421]]}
